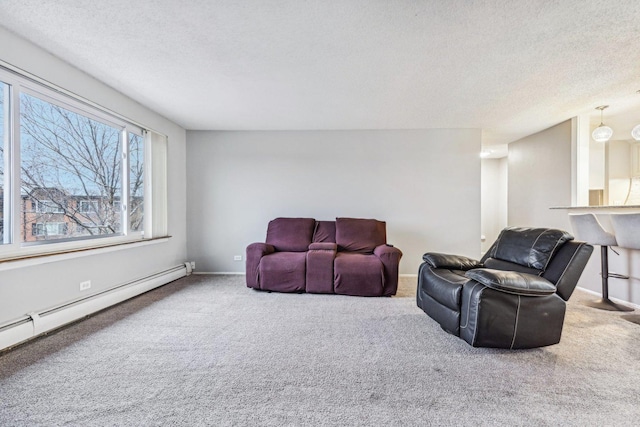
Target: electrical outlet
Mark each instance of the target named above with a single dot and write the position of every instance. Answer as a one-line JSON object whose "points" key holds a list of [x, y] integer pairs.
{"points": [[85, 285], [193, 265], [237, 257]]}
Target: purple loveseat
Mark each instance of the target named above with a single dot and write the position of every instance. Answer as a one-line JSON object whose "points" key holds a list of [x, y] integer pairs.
{"points": [[348, 256]]}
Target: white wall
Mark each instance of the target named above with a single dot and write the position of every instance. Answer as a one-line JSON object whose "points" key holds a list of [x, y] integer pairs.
{"points": [[35, 288], [596, 165], [618, 171], [540, 178], [494, 199], [503, 200], [424, 183]]}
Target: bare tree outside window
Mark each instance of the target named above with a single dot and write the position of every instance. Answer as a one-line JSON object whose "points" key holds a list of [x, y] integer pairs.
{"points": [[71, 170], [136, 182]]}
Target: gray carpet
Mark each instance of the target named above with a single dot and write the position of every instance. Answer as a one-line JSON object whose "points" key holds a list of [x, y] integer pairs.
{"points": [[205, 350]]}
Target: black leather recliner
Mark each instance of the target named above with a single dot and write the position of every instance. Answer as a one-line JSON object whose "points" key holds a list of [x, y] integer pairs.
{"points": [[514, 297]]}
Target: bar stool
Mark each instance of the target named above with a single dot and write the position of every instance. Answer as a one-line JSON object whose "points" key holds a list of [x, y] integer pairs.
{"points": [[587, 227], [627, 229]]}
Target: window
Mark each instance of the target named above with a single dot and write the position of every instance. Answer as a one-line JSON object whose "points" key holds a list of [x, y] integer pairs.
{"points": [[136, 182], [4, 117], [47, 206], [66, 156], [89, 206], [49, 229], [78, 172]]}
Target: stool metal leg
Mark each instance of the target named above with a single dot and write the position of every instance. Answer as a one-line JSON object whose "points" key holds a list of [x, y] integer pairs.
{"points": [[605, 303]]}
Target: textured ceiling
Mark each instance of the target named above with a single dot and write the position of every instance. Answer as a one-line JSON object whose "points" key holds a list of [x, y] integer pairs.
{"points": [[509, 67]]}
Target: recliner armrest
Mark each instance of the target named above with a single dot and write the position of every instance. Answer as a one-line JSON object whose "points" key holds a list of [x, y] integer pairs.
{"points": [[454, 262], [255, 252], [387, 250], [260, 249], [323, 246], [390, 258], [512, 282]]}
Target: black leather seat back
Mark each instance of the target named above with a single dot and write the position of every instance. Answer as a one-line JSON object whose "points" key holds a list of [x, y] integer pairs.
{"points": [[566, 266], [532, 248], [563, 270]]}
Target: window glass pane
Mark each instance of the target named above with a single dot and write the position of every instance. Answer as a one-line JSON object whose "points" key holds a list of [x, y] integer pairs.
{"points": [[136, 182], [71, 170], [4, 107]]}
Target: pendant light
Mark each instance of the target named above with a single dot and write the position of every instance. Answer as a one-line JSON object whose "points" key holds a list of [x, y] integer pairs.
{"points": [[603, 133]]}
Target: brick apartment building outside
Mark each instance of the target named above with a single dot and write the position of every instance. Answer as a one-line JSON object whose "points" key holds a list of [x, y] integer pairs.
{"points": [[50, 214]]}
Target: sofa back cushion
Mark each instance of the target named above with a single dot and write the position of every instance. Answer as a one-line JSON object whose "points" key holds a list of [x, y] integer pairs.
{"points": [[290, 234], [529, 247], [325, 232], [360, 235]]}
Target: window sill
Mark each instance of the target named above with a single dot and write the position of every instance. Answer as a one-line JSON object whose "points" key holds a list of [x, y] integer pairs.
{"points": [[11, 263]]}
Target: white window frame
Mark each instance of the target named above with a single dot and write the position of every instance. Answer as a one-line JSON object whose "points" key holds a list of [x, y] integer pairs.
{"points": [[5, 142], [13, 247]]}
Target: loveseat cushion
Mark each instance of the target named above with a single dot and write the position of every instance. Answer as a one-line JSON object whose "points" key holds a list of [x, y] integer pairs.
{"points": [[323, 246], [360, 235], [325, 232], [283, 272], [358, 274], [530, 247], [290, 234]]}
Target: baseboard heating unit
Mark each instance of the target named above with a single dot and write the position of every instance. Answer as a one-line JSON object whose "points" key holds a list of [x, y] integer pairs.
{"points": [[34, 324]]}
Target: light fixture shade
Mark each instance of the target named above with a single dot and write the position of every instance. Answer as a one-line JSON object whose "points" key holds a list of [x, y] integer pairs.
{"points": [[635, 133], [602, 133]]}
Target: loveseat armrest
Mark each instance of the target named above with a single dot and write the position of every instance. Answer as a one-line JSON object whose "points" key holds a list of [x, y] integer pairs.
{"points": [[255, 251], [390, 258], [323, 246], [453, 262], [512, 282], [387, 251]]}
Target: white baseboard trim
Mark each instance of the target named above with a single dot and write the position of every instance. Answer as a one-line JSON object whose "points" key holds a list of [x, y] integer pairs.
{"points": [[220, 273], [236, 273], [35, 324], [617, 300]]}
